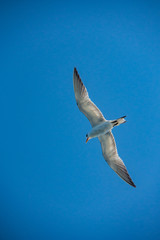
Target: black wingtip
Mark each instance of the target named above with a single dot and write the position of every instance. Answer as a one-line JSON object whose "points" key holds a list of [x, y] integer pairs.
{"points": [[75, 71], [134, 185], [77, 74], [131, 183]]}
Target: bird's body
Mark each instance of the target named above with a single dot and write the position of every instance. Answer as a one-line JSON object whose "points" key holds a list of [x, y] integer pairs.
{"points": [[101, 128], [104, 127]]}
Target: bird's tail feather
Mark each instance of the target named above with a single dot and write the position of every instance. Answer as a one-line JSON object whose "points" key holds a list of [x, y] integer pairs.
{"points": [[118, 121]]}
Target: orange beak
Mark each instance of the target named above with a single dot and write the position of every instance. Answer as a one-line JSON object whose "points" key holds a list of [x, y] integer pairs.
{"points": [[87, 139]]}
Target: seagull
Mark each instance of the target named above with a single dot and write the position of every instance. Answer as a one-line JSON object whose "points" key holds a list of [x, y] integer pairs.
{"points": [[101, 128]]}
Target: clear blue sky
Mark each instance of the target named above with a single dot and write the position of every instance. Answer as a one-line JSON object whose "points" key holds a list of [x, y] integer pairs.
{"points": [[53, 184]]}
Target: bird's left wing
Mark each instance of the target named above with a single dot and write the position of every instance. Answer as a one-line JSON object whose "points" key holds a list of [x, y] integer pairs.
{"points": [[85, 105], [111, 156]]}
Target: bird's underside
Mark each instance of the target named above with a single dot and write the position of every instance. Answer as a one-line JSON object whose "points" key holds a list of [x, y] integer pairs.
{"points": [[94, 115]]}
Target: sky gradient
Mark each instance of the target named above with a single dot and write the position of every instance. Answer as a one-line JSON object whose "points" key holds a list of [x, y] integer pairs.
{"points": [[53, 184]]}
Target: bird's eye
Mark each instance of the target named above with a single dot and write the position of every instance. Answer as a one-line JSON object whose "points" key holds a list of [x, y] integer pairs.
{"points": [[86, 135]]}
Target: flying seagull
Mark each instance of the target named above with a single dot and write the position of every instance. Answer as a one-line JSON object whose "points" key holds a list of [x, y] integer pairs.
{"points": [[101, 128]]}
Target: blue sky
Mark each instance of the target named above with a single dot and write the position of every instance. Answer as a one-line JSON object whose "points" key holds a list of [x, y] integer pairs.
{"points": [[53, 184]]}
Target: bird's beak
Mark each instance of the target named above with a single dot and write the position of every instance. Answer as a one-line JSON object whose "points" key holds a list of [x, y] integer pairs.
{"points": [[87, 139]]}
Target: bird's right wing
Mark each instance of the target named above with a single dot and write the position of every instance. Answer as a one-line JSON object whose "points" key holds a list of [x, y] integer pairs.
{"points": [[111, 156], [85, 105]]}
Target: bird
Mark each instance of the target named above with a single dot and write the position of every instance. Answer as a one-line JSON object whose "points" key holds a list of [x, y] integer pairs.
{"points": [[101, 128]]}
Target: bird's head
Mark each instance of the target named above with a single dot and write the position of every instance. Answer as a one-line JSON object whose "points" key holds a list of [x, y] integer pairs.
{"points": [[87, 138]]}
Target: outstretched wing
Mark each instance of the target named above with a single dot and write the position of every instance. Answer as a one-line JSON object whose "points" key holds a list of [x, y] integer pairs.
{"points": [[110, 154], [85, 105]]}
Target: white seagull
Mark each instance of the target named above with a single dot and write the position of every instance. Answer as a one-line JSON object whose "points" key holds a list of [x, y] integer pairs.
{"points": [[101, 128]]}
